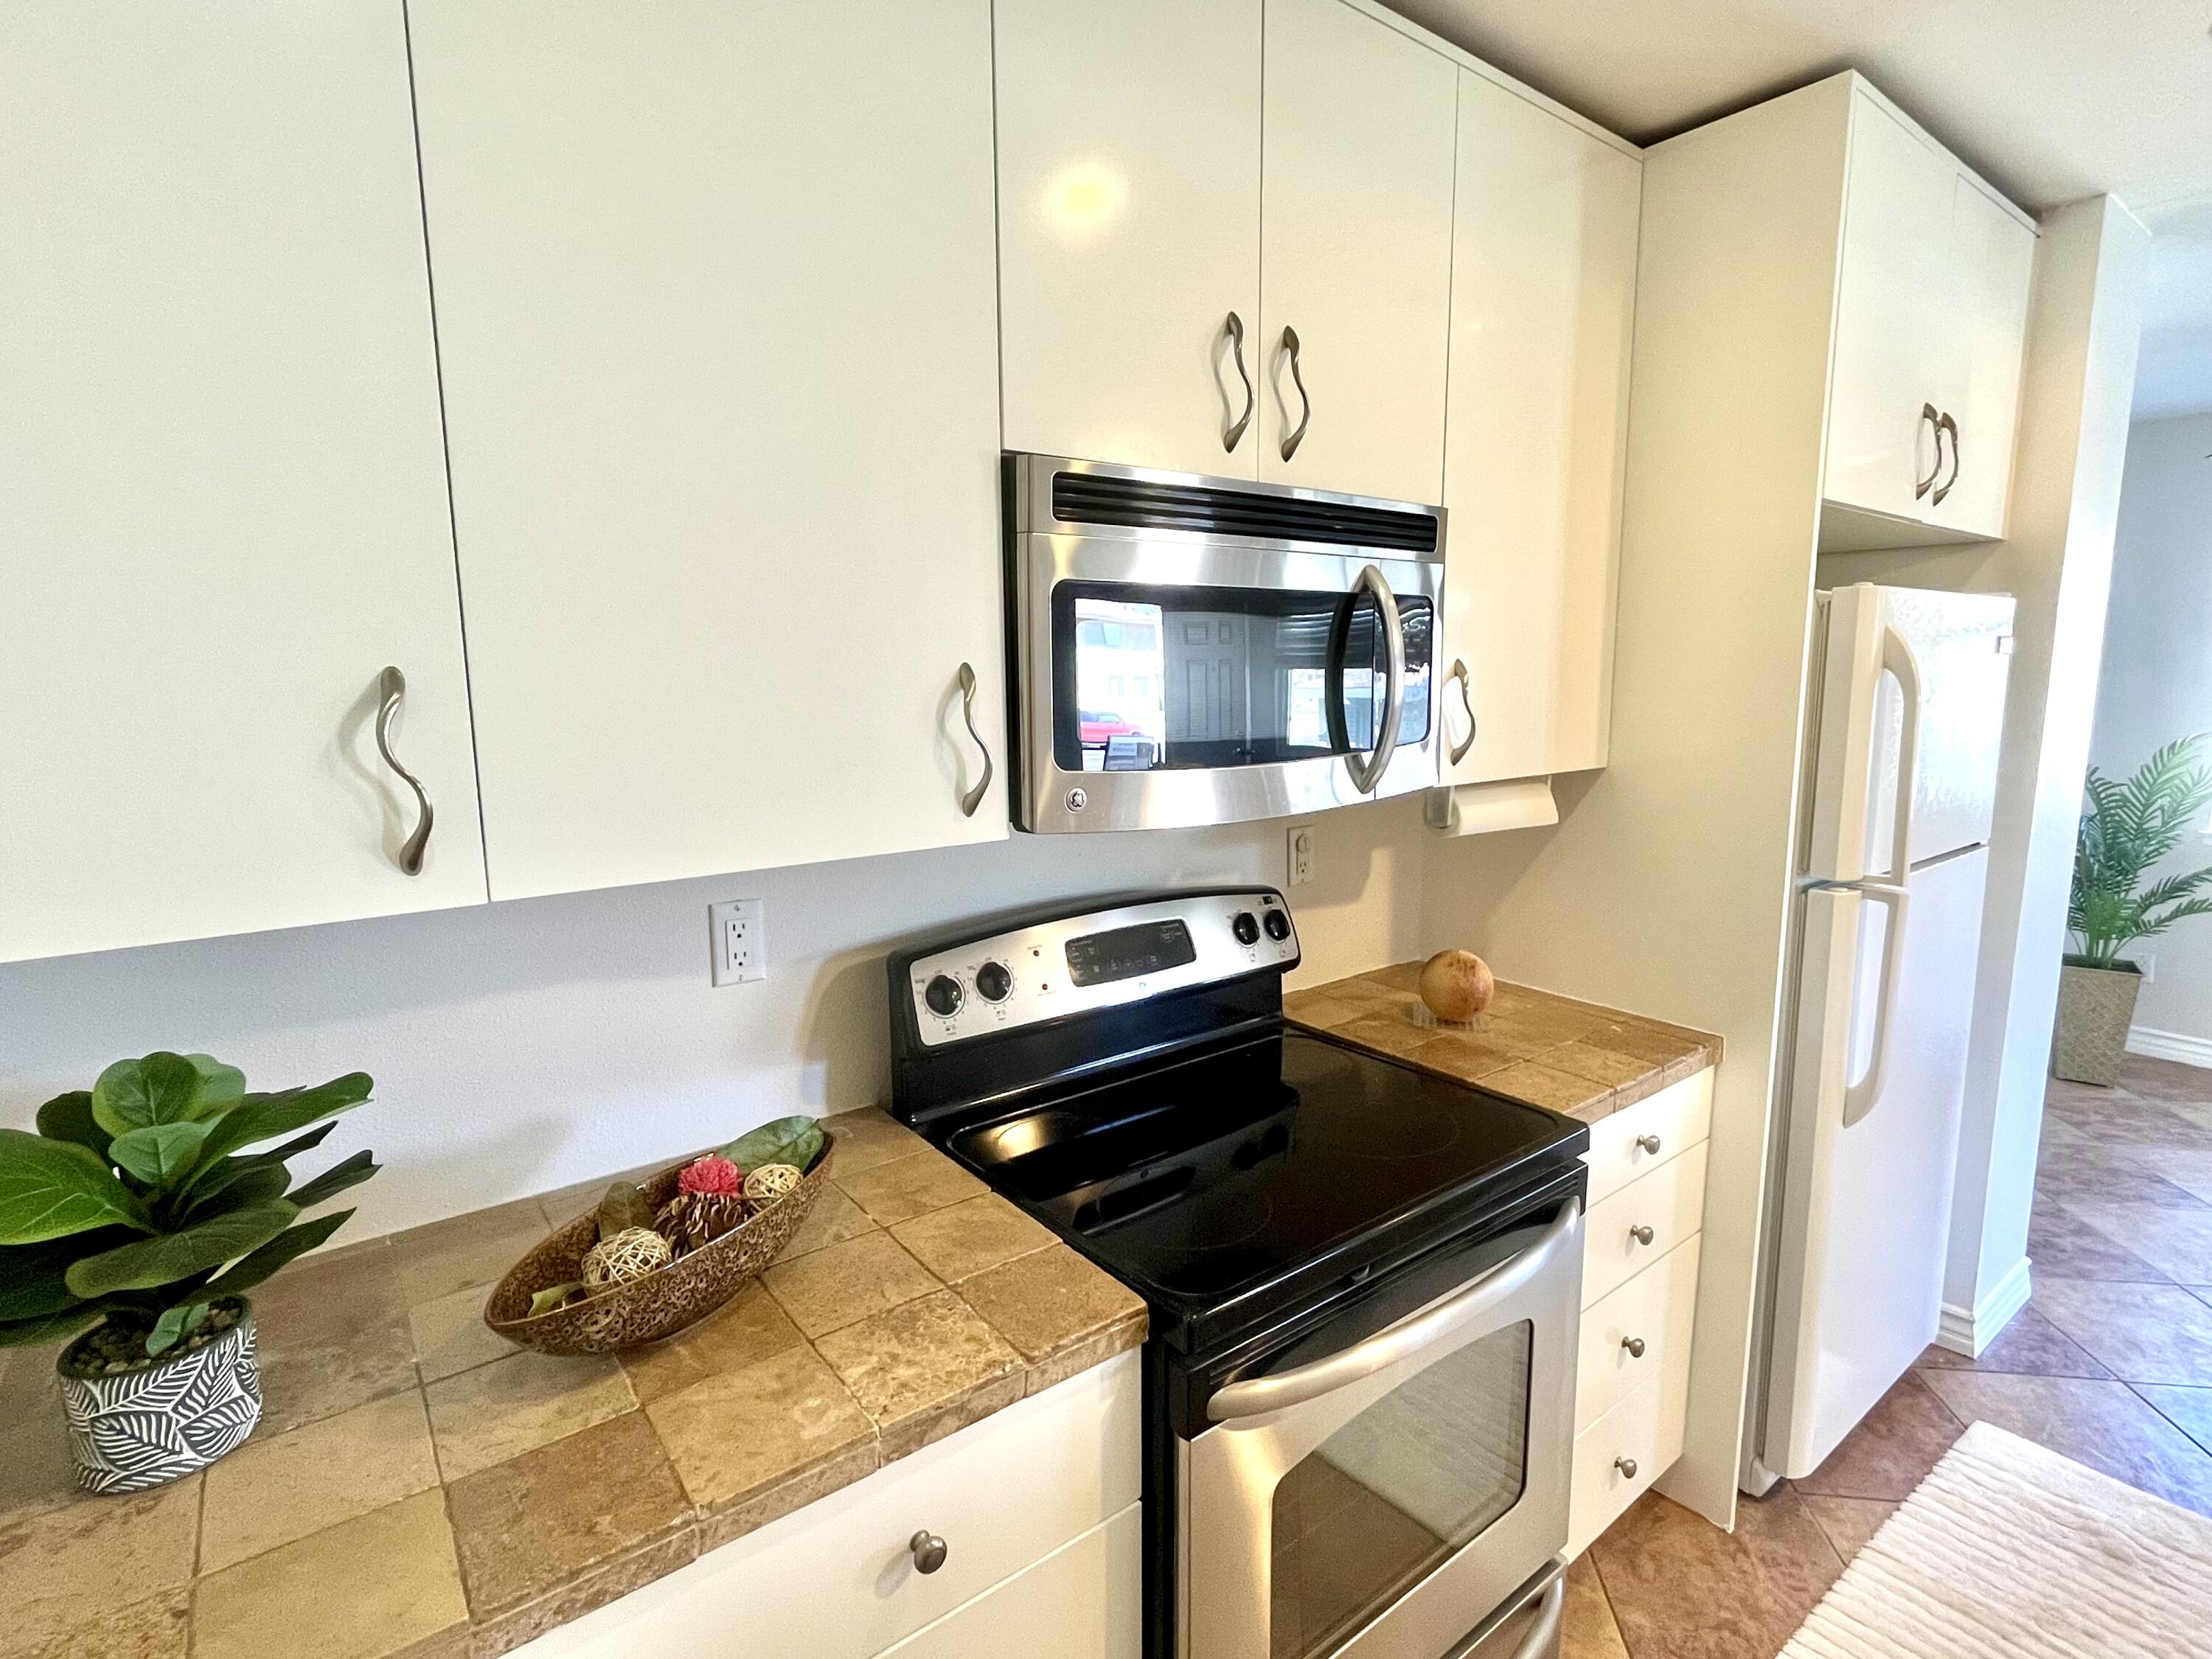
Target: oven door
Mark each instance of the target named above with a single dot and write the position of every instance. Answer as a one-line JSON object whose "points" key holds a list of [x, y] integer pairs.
{"points": [[1170, 679], [1384, 1501]]}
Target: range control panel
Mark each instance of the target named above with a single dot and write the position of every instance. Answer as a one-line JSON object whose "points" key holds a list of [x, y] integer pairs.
{"points": [[1100, 959]]}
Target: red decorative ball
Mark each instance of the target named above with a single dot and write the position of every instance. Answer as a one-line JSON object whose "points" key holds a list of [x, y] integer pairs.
{"points": [[713, 1175]]}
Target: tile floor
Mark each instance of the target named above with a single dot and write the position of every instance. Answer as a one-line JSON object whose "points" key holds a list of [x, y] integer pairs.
{"points": [[2110, 1363]]}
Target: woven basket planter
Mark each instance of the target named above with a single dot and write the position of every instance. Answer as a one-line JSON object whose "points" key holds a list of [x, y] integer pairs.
{"points": [[2096, 1007], [660, 1303], [145, 1428]]}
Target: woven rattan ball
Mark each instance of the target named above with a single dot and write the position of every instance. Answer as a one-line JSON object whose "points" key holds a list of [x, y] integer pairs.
{"points": [[769, 1182], [630, 1253]]}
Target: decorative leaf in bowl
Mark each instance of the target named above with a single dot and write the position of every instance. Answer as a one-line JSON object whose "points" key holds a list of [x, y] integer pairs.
{"points": [[624, 1206], [794, 1140]]}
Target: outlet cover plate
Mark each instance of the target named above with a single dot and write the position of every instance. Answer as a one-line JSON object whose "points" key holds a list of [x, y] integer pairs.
{"points": [[740, 940], [1298, 855]]}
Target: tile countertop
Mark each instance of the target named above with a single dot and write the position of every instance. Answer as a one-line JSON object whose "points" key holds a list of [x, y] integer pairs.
{"points": [[1552, 1051], [420, 1487]]}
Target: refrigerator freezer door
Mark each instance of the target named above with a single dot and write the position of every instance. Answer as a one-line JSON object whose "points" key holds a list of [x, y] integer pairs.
{"points": [[1866, 1208]]}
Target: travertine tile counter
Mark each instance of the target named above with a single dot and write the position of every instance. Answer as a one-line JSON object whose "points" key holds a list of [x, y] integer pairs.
{"points": [[419, 1487], [1550, 1051]]}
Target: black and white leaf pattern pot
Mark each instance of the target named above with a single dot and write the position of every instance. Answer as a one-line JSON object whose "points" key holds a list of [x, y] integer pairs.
{"points": [[143, 1428]]}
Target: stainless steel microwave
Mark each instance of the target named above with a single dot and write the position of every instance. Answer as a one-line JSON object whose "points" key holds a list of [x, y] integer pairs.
{"points": [[1188, 650]]}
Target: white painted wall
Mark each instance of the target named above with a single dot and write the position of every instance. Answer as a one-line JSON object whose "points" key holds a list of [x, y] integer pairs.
{"points": [[524, 1046], [2157, 683]]}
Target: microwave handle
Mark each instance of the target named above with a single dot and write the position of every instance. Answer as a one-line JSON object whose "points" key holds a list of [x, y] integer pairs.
{"points": [[1262, 1394], [1368, 772]]}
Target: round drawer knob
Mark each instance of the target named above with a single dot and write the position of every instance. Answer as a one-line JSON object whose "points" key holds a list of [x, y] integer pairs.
{"points": [[1641, 1235], [928, 1551], [1650, 1143], [1627, 1465], [1634, 1345]]}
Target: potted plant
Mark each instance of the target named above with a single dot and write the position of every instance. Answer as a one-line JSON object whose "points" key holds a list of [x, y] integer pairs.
{"points": [[135, 1220], [2128, 831]]}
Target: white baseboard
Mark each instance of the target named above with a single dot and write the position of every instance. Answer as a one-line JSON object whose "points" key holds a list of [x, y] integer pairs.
{"points": [[2170, 1045], [1968, 1331]]}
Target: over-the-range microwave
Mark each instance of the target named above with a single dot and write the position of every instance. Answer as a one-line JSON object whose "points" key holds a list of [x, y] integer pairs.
{"points": [[1188, 650]]}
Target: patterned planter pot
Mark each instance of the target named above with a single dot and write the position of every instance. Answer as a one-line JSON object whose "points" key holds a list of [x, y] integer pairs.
{"points": [[2096, 1007], [140, 1428]]}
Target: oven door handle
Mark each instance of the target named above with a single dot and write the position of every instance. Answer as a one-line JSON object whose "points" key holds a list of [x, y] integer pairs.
{"points": [[1263, 1395], [1367, 773]]}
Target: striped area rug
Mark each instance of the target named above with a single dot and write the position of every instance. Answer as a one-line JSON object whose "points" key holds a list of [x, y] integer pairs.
{"points": [[2008, 1550]]}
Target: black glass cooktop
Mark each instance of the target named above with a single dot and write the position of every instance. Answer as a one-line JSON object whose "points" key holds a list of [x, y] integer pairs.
{"points": [[1212, 1184]]}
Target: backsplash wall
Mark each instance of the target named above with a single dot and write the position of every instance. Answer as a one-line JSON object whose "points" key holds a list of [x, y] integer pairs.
{"points": [[524, 1046]]}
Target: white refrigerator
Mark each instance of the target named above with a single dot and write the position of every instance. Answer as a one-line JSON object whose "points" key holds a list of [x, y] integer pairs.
{"points": [[1903, 715]]}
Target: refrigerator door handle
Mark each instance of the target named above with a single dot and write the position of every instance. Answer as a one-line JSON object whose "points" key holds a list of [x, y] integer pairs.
{"points": [[1859, 1098], [1897, 657]]}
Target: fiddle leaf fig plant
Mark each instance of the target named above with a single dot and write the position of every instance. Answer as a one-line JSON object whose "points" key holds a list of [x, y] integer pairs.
{"points": [[2128, 829], [142, 1203]]}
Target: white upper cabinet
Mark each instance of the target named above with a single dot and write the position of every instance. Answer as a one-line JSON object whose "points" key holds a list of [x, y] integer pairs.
{"points": [[716, 300], [1356, 253], [1542, 314], [1931, 316], [1128, 136], [222, 497]]}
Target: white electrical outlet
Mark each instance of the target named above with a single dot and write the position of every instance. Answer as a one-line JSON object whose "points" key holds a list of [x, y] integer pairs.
{"points": [[1300, 856], [740, 937]]}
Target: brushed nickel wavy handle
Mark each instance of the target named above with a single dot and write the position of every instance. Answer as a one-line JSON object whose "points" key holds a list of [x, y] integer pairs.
{"points": [[391, 687], [1466, 701], [1367, 772], [1233, 434], [1943, 425], [974, 798], [1928, 414], [1305, 399]]}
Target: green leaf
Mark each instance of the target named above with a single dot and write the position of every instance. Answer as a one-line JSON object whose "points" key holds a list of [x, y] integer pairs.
{"points": [[31, 1282], [51, 1189], [174, 1325], [263, 1117], [160, 1153], [349, 1172], [222, 1086], [150, 1263], [69, 1117], [161, 1088], [552, 1296], [623, 1206], [51, 1327], [305, 1143], [794, 1141], [277, 1253], [246, 1179]]}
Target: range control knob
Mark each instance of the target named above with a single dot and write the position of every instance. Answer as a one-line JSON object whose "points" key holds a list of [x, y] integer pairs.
{"points": [[1246, 929], [1278, 926], [994, 981], [943, 995]]}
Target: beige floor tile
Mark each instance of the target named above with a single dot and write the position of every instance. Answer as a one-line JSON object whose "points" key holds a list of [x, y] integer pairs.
{"points": [[2165, 1080], [2104, 1424], [842, 1283], [1588, 1630], [867, 1138], [2189, 1410], [1044, 1302], [1848, 1522], [2141, 1333], [374, 1585], [924, 1370], [969, 1238], [271, 1491], [2029, 1345], [515, 1405], [752, 1325], [908, 1186], [546, 1521], [833, 1218], [450, 1334], [59, 1567], [1682, 1589], [466, 1251], [2059, 1242], [158, 1628], [2178, 1242], [738, 1434], [1891, 1450]]}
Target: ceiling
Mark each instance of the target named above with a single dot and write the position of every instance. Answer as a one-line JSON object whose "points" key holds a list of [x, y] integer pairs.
{"points": [[2049, 99]]}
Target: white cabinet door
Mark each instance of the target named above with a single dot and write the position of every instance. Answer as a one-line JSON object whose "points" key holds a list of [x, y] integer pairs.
{"points": [[1129, 229], [1993, 259], [1896, 353], [223, 498], [1543, 308], [716, 303], [1356, 253]]}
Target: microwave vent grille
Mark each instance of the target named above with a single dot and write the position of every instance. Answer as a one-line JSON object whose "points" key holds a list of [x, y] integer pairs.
{"points": [[1094, 498]]}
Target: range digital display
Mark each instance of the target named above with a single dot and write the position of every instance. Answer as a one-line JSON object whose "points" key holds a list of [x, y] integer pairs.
{"points": [[1129, 952]]}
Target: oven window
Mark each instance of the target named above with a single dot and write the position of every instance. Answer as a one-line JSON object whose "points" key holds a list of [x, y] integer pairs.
{"points": [[1416, 1476], [1150, 678]]}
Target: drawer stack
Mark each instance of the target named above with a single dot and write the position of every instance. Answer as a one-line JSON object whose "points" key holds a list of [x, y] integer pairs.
{"points": [[1647, 1194]]}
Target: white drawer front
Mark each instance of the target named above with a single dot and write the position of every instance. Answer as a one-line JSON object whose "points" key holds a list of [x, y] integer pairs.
{"points": [[1677, 1117], [1627, 1436], [1656, 1309], [1670, 1203], [835, 1580], [1085, 1600]]}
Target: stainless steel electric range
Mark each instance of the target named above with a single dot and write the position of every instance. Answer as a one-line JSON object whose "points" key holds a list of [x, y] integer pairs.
{"points": [[1364, 1281]]}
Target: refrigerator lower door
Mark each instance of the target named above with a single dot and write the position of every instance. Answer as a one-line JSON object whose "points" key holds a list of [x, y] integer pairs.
{"points": [[1866, 1206]]}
